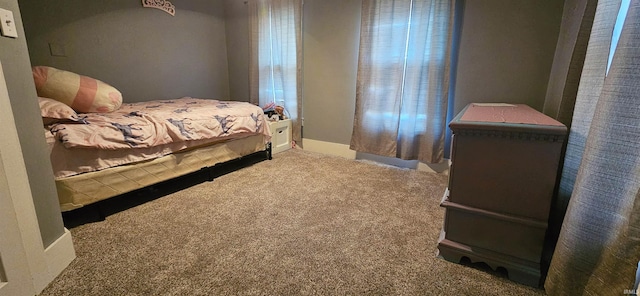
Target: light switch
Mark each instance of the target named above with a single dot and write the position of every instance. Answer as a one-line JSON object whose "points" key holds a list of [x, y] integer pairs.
{"points": [[7, 24]]}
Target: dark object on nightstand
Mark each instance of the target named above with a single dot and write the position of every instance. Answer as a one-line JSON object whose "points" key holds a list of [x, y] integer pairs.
{"points": [[504, 165]]}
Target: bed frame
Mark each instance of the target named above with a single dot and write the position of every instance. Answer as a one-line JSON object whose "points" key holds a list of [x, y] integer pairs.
{"points": [[108, 192]]}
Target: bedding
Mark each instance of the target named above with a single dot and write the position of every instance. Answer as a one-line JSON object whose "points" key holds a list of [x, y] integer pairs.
{"points": [[154, 123], [184, 135], [53, 111]]}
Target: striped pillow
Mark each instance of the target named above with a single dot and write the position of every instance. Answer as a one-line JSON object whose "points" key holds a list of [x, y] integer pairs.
{"points": [[82, 93]]}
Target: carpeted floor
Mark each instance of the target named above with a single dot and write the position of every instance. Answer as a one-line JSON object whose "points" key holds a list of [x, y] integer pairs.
{"points": [[302, 223]]}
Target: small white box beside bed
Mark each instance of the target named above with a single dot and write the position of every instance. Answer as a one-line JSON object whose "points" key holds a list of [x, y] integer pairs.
{"points": [[280, 135]]}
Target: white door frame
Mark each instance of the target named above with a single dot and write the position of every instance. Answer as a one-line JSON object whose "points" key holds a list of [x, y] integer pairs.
{"points": [[43, 264], [14, 267]]}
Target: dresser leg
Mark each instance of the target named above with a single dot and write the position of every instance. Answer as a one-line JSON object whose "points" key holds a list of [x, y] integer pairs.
{"points": [[448, 255], [520, 271]]}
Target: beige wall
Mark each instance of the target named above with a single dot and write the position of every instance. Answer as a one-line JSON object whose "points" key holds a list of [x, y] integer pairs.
{"points": [[237, 30], [146, 53], [506, 51], [26, 113], [331, 39]]}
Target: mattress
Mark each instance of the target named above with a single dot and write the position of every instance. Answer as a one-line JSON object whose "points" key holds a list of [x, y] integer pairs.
{"points": [[82, 189]]}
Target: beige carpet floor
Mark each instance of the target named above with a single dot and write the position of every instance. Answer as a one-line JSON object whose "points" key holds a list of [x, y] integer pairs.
{"points": [[300, 224]]}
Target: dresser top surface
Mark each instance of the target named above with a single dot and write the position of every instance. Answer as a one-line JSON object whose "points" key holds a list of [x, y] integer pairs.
{"points": [[506, 113], [501, 116]]}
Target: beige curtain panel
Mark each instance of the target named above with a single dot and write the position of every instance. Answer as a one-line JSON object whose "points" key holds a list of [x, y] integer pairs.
{"points": [[403, 78], [589, 90], [562, 91], [599, 245]]}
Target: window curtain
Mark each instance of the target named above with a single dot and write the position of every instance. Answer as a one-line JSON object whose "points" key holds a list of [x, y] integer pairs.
{"points": [[275, 63], [566, 72], [598, 249], [403, 78]]}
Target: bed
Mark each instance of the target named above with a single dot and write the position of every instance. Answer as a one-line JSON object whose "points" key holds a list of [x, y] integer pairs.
{"points": [[98, 155]]}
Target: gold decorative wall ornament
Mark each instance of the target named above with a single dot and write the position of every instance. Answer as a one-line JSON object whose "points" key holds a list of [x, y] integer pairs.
{"points": [[164, 5]]}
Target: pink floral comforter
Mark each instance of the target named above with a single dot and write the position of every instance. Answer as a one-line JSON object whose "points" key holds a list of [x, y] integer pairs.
{"points": [[153, 123]]}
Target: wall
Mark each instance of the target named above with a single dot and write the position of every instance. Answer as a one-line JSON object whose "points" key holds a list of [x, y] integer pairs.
{"points": [[506, 51], [24, 103], [237, 30], [145, 53], [331, 40]]}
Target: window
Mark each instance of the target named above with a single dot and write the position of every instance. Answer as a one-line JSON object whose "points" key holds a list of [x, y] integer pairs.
{"points": [[617, 29], [276, 51], [403, 81]]}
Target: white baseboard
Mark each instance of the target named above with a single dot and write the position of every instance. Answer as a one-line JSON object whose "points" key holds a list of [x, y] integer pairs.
{"points": [[343, 150], [440, 168], [58, 256], [323, 147]]}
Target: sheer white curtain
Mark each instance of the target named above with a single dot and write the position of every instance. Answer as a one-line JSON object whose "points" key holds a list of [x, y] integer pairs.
{"points": [[403, 78], [276, 56]]}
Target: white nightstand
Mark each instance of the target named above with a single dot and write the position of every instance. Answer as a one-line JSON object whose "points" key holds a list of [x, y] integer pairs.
{"points": [[280, 135]]}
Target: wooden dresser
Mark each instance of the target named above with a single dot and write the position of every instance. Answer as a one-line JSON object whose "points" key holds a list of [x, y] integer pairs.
{"points": [[505, 160]]}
